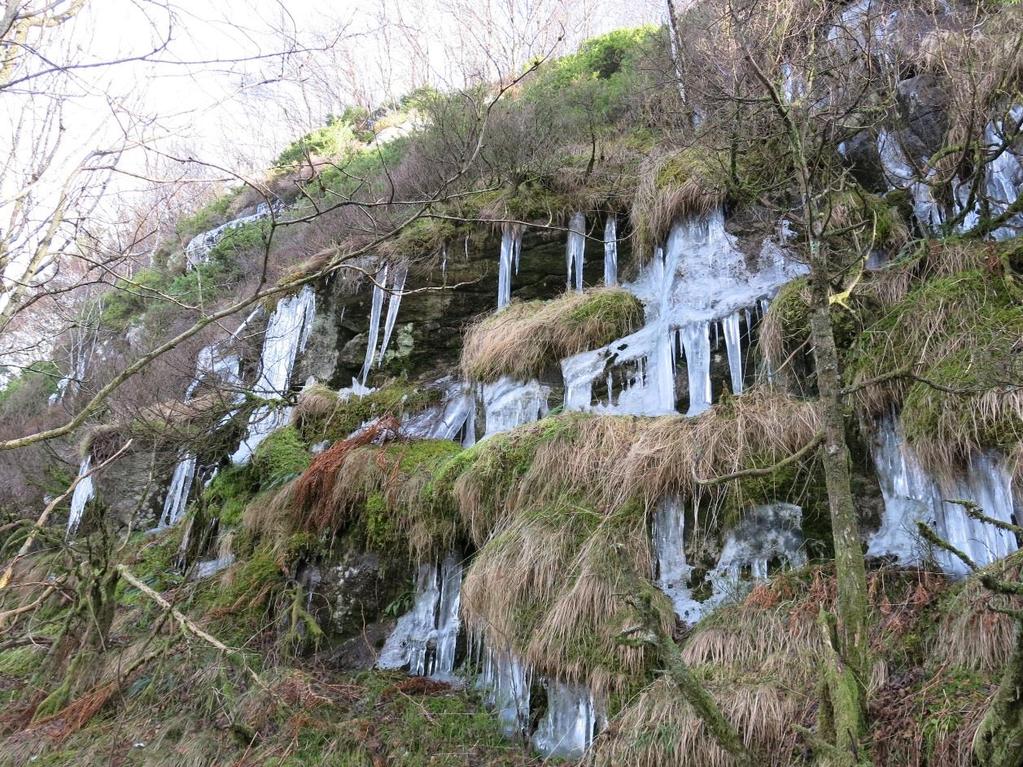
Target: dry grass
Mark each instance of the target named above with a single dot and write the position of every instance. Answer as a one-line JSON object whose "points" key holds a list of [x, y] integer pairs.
{"points": [[550, 588], [610, 460], [969, 634], [672, 187], [314, 490], [661, 728], [525, 339]]}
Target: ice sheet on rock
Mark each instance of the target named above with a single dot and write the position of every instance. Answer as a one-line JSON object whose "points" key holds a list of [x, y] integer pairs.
{"points": [[570, 723], [1002, 181], [912, 495], [453, 418], [900, 174], [286, 335], [509, 403], [511, 250], [575, 250], [425, 638], [766, 534], [83, 346], [199, 247], [84, 492], [700, 276], [611, 251]]}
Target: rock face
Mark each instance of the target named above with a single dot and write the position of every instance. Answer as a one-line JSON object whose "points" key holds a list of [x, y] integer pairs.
{"points": [[922, 104], [350, 599], [452, 291]]}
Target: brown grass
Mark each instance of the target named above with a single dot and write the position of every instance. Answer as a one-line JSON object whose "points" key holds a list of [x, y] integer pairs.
{"points": [[525, 339], [673, 187], [313, 492]]}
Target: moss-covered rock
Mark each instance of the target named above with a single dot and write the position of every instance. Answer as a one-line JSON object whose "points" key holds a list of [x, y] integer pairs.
{"points": [[322, 416], [281, 456]]}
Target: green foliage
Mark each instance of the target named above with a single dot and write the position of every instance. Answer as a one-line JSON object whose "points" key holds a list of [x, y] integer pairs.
{"points": [[280, 457], [30, 389], [335, 139], [210, 215], [359, 169], [593, 85]]}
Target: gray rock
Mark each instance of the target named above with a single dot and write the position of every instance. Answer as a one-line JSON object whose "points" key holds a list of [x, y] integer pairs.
{"points": [[922, 103]]}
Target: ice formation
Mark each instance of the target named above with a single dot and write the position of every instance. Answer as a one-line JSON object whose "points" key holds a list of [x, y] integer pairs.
{"points": [[511, 251], [509, 403], [84, 492], [575, 250], [766, 535], [425, 638], [286, 334], [912, 495], [611, 251], [570, 723], [697, 280], [199, 247]]}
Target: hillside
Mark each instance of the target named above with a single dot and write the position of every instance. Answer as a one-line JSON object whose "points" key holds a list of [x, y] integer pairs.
{"points": [[660, 406]]}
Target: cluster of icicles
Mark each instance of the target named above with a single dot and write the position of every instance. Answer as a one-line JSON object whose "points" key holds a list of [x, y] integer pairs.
{"points": [[697, 286]]}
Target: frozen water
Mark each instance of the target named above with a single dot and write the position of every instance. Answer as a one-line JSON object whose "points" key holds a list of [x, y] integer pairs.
{"points": [[575, 250], [509, 403]]}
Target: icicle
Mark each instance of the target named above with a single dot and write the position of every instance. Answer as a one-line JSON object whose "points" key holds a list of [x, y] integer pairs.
{"points": [[376, 306], [177, 494], [398, 285], [611, 251], [570, 722], [511, 247], [84, 492], [668, 534], [696, 341], [424, 639], [505, 683], [733, 345], [286, 335], [575, 251]]}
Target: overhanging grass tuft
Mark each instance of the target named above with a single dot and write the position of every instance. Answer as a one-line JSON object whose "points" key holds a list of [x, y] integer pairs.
{"points": [[691, 182], [525, 339]]}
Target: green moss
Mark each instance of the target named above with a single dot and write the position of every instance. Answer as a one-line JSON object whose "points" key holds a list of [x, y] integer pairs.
{"points": [[334, 419], [959, 332], [280, 457], [229, 492], [30, 389], [693, 163], [22, 661]]}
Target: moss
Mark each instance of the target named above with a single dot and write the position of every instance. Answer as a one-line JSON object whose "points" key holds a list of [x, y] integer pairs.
{"points": [[229, 492], [21, 662], [322, 416], [280, 457], [958, 331]]}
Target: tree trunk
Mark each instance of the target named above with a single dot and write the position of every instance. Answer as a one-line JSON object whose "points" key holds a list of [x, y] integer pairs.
{"points": [[852, 647]]}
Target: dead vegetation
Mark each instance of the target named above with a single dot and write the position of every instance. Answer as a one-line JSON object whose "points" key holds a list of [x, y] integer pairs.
{"points": [[525, 339]]}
